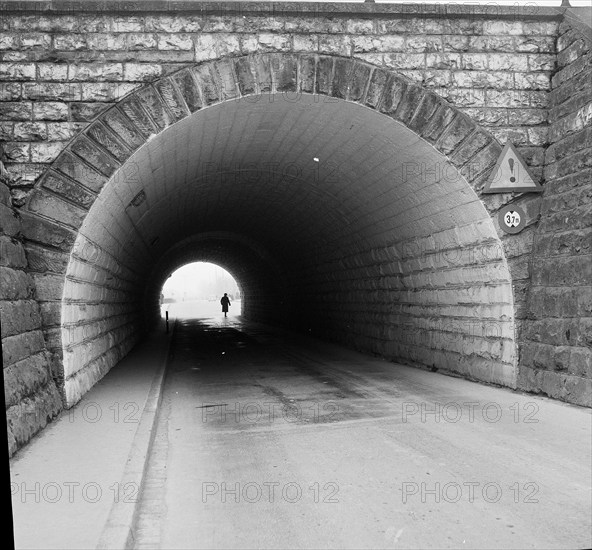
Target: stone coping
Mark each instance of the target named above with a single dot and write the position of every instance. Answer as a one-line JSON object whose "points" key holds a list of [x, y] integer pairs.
{"points": [[284, 8]]}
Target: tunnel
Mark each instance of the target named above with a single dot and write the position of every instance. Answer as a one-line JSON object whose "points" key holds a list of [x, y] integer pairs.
{"points": [[408, 368], [336, 218]]}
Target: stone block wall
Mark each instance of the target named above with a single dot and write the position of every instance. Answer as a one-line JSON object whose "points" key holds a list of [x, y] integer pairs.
{"points": [[450, 265], [556, 355], [100, 320], [448, 305], [31, 394], [60, 70]]}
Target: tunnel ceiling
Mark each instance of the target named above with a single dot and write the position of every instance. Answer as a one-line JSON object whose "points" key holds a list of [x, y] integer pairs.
{"points": [[247, 167]]}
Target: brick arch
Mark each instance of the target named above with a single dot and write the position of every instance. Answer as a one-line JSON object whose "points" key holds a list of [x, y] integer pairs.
{"points": [[61, 200], [91, 158]]}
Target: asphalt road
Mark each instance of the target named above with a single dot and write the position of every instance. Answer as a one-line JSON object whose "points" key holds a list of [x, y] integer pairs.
{"points": [[270, 440]]}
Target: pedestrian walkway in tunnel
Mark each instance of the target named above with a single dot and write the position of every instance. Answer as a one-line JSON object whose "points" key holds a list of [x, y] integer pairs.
{"points": [[265, 438]]}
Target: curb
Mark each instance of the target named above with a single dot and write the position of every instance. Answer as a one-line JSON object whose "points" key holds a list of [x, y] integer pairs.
{"points": [[118, 532]]}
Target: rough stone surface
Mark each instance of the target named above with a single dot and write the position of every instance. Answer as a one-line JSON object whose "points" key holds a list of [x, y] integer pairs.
{"points": [[80, 96], [555, 347], [31, 394], [87, 345], [71, 75]]}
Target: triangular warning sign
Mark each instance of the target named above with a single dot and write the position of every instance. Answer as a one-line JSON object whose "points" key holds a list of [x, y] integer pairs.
{"points": [[511, 174]]}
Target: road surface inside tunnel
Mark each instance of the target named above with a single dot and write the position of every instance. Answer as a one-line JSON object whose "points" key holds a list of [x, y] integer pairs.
{"points": [[268, 439]]}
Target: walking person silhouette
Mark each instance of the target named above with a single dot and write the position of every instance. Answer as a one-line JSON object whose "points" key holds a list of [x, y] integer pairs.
{"points": [[225, 301]]}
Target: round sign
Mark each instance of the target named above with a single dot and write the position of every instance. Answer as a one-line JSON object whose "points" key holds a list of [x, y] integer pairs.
{"points": [[512, 219]]}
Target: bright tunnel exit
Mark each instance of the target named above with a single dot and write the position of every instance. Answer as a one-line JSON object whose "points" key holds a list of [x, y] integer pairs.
{"points": [[195, 290]]}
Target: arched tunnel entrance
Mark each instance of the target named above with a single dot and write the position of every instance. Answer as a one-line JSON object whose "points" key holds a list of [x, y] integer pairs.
{"points": [[345, 193], [338, 219]]}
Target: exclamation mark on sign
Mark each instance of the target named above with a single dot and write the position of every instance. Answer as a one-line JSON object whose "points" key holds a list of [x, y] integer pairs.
{"points": [[511, 163]]}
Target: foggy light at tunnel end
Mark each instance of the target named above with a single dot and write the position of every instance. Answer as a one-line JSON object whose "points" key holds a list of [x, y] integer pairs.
{"points": [[199, 281]]}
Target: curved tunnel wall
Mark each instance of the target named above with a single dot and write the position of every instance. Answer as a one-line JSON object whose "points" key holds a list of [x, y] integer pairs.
{"points": [[371, 236]]}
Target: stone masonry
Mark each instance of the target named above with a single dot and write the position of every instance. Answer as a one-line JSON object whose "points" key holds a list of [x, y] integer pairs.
{"points": [[103, 276], [480, 76], [32, 398], [557, 350]]}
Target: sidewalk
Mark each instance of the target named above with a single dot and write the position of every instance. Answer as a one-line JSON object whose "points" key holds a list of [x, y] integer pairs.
{"points": [[75, 485]]}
